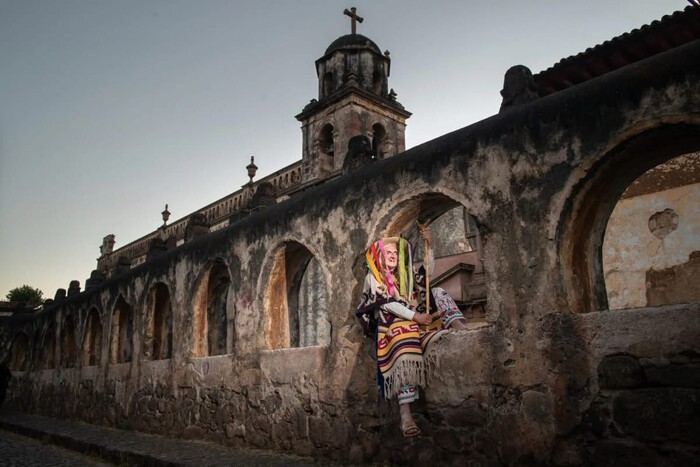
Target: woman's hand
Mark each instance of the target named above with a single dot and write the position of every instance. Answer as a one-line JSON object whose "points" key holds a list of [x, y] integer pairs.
{"points": [[425, 233], [423, 318]]}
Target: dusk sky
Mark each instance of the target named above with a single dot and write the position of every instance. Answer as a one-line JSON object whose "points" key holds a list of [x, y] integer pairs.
{"points": [[111, 109]]}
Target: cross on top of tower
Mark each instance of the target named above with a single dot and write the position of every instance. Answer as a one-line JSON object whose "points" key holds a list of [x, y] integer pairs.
{"points": [[354, 18]]}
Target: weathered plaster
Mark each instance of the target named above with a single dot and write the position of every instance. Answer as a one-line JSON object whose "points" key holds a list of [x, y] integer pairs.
{"points": [[631, 249]]}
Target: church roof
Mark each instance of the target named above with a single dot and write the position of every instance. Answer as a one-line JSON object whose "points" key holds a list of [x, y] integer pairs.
{"points": [[352, 41], [670, 31]]}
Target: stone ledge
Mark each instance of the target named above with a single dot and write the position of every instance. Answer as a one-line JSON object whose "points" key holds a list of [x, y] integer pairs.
{"points": [[284, 365]]}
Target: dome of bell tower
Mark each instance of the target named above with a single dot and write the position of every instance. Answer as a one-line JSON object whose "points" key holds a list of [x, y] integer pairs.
{"points": [[351, 42], [353, 60]]}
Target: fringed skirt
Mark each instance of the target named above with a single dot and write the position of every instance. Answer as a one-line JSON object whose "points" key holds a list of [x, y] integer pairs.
{"points": [[401, 355]]}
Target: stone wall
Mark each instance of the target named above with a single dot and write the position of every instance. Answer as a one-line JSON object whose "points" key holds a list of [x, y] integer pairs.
{"points": [[643, 404], [523, 389]]}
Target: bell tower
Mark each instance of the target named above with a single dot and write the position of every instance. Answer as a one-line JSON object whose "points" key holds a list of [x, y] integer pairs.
{"points": [[353, 99]]}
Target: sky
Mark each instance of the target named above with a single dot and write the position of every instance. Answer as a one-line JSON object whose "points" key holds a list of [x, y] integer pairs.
{"points": [[111, 109]]}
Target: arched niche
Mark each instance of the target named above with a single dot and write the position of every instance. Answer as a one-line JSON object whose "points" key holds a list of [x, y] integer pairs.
{"points": [[378, 141], [457, 247], [18, 352], [210, 317], [296, 299], [651, 247], [92, 339], [121, 338], [36, 349], [326, 147], [158, 332], [377, 82], [327, 84], [68, 347], [47, 349], [582, 229]]}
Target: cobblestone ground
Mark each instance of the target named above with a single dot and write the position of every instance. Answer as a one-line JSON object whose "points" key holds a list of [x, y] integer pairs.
{"points": [[17, 450], [120, 446]]}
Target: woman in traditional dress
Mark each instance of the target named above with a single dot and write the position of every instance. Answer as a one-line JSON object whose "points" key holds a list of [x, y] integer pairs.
{"points": [[393, 311]]}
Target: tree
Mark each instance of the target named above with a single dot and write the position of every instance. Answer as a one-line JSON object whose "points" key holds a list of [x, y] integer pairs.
{"points": [[27, 294]]}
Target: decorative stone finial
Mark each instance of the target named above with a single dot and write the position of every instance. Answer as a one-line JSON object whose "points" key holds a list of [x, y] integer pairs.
{"points": [[197, 225], [73, 288], [166, 215], [252, 168], [107, 245], [265, 195], [519, 87], [96, 278]]}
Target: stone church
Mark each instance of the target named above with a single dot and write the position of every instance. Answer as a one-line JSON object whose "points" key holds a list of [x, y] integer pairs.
{"points": [[565, 227]]}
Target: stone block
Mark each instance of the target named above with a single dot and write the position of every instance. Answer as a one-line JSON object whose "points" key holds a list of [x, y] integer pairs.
{"points": [[152, 404], [567, 453], [448, 440], [283, 366], [537, 408], [167, 419], [319, 431], [620, 371], [161, 390], [622, 453], [247, 377], [222, 415], [260, 422], [237, 406], [597, 418], [271, 403], [282, 434], [257, 438], [659, 414], [235, 430], [680, 376], [164, 406], [194, 432], [254, 396], [685, 356], [339, 433], [188, 393], [205, 415], [302, 424], [467, 414], [356, 454], [112, 415]]}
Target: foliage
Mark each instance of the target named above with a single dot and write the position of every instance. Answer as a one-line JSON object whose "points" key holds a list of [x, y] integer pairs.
{"points": [[27, 294]]}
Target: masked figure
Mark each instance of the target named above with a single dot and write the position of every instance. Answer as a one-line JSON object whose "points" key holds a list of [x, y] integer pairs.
{"points": [[393, 310]]}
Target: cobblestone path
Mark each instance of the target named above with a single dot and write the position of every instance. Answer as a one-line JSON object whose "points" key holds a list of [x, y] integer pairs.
{"points": [[21, 451]]}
